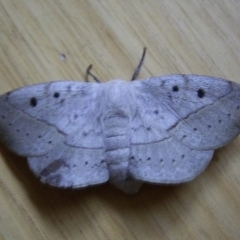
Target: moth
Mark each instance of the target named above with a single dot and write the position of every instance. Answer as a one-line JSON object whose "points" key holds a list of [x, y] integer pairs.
{"points": [[161, 130]]}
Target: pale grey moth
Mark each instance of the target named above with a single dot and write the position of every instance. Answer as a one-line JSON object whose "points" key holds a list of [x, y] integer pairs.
{"points": [[161, 130]]}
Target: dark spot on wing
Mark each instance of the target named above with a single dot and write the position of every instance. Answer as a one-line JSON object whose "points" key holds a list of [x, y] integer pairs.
{"points": [[84, 134], [69, 88], [33, 102], [175, 88], [200, 93], [56, 94], [162, 83]]}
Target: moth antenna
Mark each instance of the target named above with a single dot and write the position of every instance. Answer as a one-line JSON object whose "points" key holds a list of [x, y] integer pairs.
{"points": [[137, 70], [88, 73]]}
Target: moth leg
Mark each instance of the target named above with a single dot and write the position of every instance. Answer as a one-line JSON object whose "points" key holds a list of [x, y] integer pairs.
{"points": [[137, 70], [135, 74], [88, 72]]}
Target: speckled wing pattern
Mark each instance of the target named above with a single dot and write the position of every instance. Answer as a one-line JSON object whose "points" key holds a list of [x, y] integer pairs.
{"points": [[53, 124], [158, 130], [182, 120]]}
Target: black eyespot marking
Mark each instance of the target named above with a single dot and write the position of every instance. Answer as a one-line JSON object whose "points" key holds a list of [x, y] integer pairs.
{"points": [[183, 156], [132, 158], [175, 88], [39, 136], [161, 160], [200, 93], [86, 163], [75, 116], [173, 160], [148, 158], [195, 129], [17, 130], [9, 124], [184, 136], [27, 134], [49, 142], [229, 115], [156, 112], [149, 128], [238, 107], [209, 126], [3, 117], [33, 102], [56, 94], [219, 120]]}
